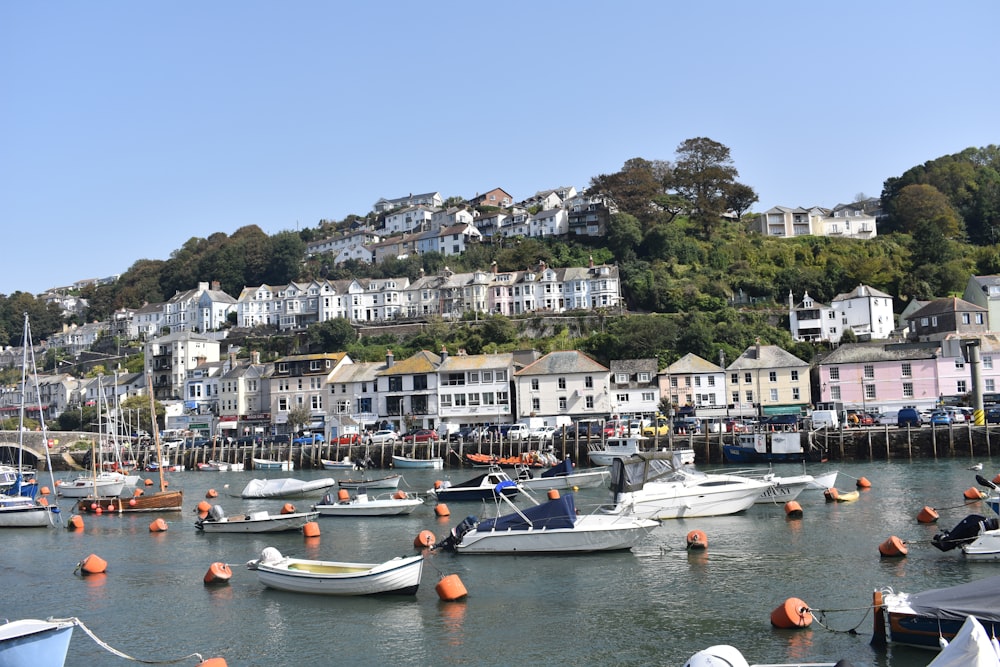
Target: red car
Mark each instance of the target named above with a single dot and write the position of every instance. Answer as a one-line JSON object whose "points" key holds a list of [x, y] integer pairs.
{"points": [[421, 435]]}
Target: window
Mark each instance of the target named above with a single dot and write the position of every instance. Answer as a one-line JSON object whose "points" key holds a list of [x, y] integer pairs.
{"points": [[648, 397], [588, 382], [534, 384], [687, 380], [748, 377], [795, 376], [395, 383], [474, 399], [907, 390], [673, 382], [736, 397], [835, 393], [959, 363], [487, 377], [711, 380], [906, 369], [536, 404], [455, 379], [315, 365], [316, 402], [834, 373], [987, 361], [501, 376], [562, 404], [562, 384], [445, 400], [869, 391], [749, 395], [459, 400], [796, 395], [488, 398], [772, 376], [960, 387], [774, 396], [735, 379], [697, 380], [990, 384], [643, 377], [979, 318], [283, 404], [622, 398], [419, 382], [869, 372], [621, 378], [966, 318], [590, 402], [473, 377]]}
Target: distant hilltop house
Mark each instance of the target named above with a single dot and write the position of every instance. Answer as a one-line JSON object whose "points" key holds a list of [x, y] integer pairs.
{"points": [[432, 199], [941, 318], [984, 291], [854, 221], [865, 310]]}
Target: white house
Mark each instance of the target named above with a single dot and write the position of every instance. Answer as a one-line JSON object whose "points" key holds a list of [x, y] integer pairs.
{"points": [[866, 311]]}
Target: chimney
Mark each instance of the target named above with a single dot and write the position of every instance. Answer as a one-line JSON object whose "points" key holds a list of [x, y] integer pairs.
{"points": [[216, 285], [388, 359], [591, 261], [493, 266], [444, 353], [232, 360], [542, 265], [199, 360], [758, 348], [255, 357]]}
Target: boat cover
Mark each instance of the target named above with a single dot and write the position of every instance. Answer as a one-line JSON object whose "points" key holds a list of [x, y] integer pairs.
{"points": [[557, 513], [971, 647], [976, 598], [561, 469], [284, 487], [632, 473]]}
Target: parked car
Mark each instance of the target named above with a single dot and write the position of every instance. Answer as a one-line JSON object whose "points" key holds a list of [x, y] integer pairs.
{"points": [[465, 434], [786, 422], [346, 439], [940, 418], [661, 428], [586, 429], [248, 440], [421, 435], [309, 439], [908, 417], [282, 439], [517, 432], [993, 415], [542, 433], [382, 437], [195, 443]]}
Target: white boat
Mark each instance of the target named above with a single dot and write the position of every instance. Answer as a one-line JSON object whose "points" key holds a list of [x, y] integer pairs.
{"points": [[387, 482], [220, 466], [623, 447], [286, 487], [785, 488], [977, 537], [487, 486], [345, 464], [269, 464], [650, 486], [8, 476], [35, 643], [399, 576], [165, 466], [550, 527], [827, 480], [563, 475], [971, 647], [24, 512], [102, 485], [253, 522], [362, 504], [729, 656], [433, 463]]}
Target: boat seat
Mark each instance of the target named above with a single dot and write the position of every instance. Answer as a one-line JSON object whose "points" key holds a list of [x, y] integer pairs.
{"points": [[317, 568]]}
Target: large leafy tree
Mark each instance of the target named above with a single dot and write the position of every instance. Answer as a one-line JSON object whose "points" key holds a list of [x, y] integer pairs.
{"points": [[635, 187], [704, 175], [334, 335]]}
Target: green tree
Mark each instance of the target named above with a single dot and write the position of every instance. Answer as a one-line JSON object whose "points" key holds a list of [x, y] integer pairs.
{"points": [[634, 188], [624, 235], [298, 418], [334, 335], [704, 175]]}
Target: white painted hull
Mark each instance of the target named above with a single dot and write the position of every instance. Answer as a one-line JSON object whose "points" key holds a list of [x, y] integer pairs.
{"points": [[785, 489], [258, 522], [698, 496], [823, 482], [389, 482], [597, 457], [107, 485], [286, 488], [23, 512], [578, 480], [399, 576], [370, 507], [436, 463], [986, 547], [591, 533], [33, 643], [266, 464], [220, 466]]}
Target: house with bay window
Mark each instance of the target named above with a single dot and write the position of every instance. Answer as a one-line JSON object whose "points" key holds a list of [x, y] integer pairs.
{"points": [[474, 389], [300, 381]]}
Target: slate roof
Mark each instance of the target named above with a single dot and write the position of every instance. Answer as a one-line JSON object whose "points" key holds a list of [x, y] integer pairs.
{"points": [[563, 362], [475, 362], [691, 363], [771, 356], [861, 353], [947, 305]]}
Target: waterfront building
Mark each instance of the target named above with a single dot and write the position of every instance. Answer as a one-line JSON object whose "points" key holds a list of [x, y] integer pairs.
{"points": [[865, 311], [474, 389], [566, 383], [634, 389], [408, 390], [301, 381], [942, 317], [766, 380], [169, 358], [694, 382]]}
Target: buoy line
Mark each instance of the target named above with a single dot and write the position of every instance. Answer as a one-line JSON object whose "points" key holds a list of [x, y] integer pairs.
{"points": [[820, 616], [77, 622]]}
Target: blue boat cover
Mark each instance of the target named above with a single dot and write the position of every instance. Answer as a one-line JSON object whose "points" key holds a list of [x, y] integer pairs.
{"points": [[978, 598], [561, 469], [557, 513]]}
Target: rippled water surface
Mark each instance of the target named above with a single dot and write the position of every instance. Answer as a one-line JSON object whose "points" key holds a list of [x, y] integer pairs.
{"points": [[655, 605]]}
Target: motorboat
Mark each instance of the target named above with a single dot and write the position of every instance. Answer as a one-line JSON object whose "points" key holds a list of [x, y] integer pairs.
{"points": [[361, 504], [623, 447], [550, 527], [17, 511], [649, 485], [286, 487], [387, 482], [730, 656], [482, 487], [977, 537], [165, 466], [827, 480], [784, 489], [31, 642], [563, 475], [399, 576], [220, 466], [433, 463], [344, 464], [103, 484], [920, 619], [772, 447], [269, 464], [216, 521]]}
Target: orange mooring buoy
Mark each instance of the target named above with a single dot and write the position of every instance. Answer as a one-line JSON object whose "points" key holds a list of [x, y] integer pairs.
{"points": [[75, 522], [158, 526], [553, 494], [288, 508], [972, 493], [863, 483], [794, 613], [311, 529], [218, 573], [92, 564], [442, 510], [213, 662], [203, 507], [137, 493], [45, 491], [211, 493], [451, 588], [927, 515], [424, 539], [148, 482], [697, 540], [831, 495], [793, 510], [892, 548]]}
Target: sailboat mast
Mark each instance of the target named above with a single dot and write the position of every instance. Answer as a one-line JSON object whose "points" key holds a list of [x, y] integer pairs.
{"points": [[156, 430], [28, 346]]}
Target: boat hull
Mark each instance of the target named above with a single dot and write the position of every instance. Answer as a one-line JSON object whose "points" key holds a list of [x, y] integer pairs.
{"points": [[164, 501], [920, 619], [84, 488], [436, 463], [31, 643], [782, 492], [287, 488], [400, 576], [590, 534], [986, 547], [375, 507], [737, 454], [577, 480], [265, 464], [678, 501], [23, 512], [389, 482], [260, 522]]}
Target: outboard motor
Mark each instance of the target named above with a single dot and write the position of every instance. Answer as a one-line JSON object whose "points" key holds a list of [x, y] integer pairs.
{"points": [[966, 531], [454, 538], [216, 513]]}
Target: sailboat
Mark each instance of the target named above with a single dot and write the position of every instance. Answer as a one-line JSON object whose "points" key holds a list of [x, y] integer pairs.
{"points": [[18, 506], [99, 483], [161, 501]]}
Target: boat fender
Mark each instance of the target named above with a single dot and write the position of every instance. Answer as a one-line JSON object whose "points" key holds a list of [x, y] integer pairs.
{"points": [[553, 494], [399, 495], [288, 508]]}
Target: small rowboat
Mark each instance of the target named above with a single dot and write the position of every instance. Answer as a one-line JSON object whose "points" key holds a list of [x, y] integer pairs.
{"points": [[832, 495], [387, 482], [399, 576], [254, 522], [364, 505]]}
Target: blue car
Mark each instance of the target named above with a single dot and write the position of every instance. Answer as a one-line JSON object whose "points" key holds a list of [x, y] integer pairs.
{"points": [[940, 418], [314, 439]]}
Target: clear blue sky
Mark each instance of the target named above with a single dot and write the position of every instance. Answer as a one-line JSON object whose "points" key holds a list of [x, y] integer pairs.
{"points": [[131, 127]]}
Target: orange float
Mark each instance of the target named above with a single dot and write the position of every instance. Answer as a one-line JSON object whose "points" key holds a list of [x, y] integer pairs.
{"points": [[892, 548], [158, 526], [75, 522], [218, 573], [927, 515], [213, 662], [553, 494], [137, 493], [399, 495], [863, 483], [442, 510], [424, 539], [793, 510], [92, 564], [132, 502], [831, 495], [451, 588], [311, 529], [697, 540], [288, 508], [343, 495], [203, 507], [148, 482], [794, 613], [212, 493], [45, 491], [972, 493]]}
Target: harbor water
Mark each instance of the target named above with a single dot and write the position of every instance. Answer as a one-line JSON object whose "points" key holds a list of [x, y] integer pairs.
{"points": [[655, 605]]}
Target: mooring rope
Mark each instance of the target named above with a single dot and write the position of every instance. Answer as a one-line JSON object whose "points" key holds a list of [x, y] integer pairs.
{"points": [[820, 617], [107, 647]]}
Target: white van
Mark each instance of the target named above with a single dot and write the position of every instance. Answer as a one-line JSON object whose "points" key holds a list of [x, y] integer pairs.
{"points": [[825, 419], [518, 432]]}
